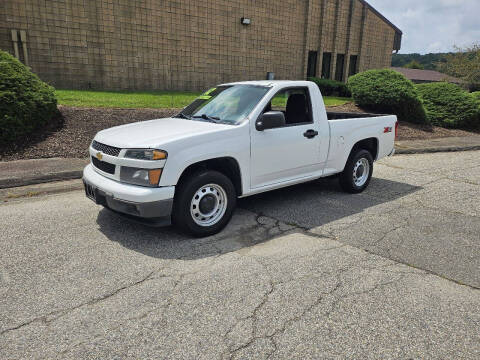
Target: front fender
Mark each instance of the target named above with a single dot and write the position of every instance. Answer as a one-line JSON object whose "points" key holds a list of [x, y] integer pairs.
{"points": [[234, 144]]}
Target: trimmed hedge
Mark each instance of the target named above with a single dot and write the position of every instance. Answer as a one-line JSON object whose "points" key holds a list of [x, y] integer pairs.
{"points": [[476, 95], [387, 91], [331, 87], [26, 102], [448, 105]]}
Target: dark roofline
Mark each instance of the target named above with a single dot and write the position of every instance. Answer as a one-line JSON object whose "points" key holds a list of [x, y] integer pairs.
{"points": [[381, 16], [426, 75]]}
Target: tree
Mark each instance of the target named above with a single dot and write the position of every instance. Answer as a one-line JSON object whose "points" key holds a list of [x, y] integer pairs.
{"points": [[464, 64], [428, 61], [414, 65]]}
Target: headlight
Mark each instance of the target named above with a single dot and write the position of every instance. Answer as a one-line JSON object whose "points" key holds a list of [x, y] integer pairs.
{"points": [[146, 154], [142, 177]]}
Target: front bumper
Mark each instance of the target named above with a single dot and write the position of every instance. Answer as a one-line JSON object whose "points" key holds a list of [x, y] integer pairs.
{"points": [[152, 206]]}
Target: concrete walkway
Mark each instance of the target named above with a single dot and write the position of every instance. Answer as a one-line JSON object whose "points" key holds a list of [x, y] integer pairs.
{"points": [[438, 145], [27, 172]]}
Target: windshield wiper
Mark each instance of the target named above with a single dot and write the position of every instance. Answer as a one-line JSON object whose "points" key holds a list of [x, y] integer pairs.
{"points": [[207, 117], [182, 116]]}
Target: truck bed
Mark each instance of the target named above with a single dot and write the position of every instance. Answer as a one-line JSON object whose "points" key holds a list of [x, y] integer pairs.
{"points": [[347, 129]]}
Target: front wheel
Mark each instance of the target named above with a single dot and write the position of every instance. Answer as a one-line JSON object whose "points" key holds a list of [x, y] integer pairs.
{"points": [[204, 203], [358, 172]]}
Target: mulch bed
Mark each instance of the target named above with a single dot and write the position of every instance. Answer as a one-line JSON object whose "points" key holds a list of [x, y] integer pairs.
{"points": [[79, 126], [71, 134], [407, 131]]}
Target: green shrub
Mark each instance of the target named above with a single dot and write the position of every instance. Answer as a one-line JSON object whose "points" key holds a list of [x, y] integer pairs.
{"points": [[387, 91], [476, 96], [331, 87], [26, 102], [448, 105]]}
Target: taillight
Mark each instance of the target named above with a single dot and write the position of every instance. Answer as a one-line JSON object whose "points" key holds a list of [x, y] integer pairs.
{"points": [[396, 129]]}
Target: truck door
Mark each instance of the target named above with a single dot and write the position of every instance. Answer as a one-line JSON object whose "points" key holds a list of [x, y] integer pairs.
{"points": [[291, 151]]}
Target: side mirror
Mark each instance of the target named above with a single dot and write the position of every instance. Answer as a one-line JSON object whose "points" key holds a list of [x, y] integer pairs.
{"points": [[270, 120]]}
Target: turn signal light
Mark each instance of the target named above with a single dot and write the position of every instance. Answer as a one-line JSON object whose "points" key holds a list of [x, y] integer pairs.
{"points": [[154, 176], [159, 155]]}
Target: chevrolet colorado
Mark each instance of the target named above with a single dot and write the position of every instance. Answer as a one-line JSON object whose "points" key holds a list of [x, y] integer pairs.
{"points": [[233, 141]]}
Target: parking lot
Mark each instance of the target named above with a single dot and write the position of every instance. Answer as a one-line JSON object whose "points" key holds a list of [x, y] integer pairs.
{"points": [[306, 272]]}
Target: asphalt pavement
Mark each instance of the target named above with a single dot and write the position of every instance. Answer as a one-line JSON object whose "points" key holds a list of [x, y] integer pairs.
{"points": [[306, 272]]}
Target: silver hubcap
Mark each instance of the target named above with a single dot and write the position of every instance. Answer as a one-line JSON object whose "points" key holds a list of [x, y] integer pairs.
{"points": [[208, 205], [361, 171]]}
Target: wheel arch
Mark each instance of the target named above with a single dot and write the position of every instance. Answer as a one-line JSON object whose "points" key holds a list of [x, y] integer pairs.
{"points": [[228, 166], [369, 144]]}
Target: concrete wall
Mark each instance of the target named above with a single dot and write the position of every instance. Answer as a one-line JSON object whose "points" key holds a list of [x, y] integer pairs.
{"points": [[188, 45]]}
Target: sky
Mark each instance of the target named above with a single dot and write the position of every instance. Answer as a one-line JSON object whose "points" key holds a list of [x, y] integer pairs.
{"points": [[431, 26]]}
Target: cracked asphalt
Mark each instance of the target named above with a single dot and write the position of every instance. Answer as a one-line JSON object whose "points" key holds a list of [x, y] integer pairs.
{"points": [[306, 272]]}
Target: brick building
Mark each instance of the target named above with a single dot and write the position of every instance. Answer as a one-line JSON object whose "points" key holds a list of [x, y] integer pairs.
{"points": [[190, 45]]}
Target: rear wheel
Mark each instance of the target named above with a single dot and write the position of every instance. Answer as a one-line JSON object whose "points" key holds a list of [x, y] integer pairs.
{"points": [[204, 203], [358, 172]]}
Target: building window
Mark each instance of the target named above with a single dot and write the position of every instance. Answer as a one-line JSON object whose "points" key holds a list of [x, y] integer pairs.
{"points": [[353, 65], [339, 67], [326, 63], [312, 64]]}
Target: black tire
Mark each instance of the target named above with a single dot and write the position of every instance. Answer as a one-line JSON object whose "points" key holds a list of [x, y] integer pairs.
{"points": [[347, 178], [182, 217]]}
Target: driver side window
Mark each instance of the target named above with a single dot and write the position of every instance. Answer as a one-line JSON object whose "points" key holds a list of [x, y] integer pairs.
{"points": [[295, 105]]}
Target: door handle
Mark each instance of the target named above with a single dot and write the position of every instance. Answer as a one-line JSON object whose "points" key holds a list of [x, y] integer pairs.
{"points": [[310, 134]]}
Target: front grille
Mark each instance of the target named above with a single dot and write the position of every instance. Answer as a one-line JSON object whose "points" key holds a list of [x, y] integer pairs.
{"points": [[106, 149], [104, 166]]}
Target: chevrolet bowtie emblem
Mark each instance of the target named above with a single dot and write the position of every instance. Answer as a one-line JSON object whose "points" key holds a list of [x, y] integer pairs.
{"points": [[99, 155]]}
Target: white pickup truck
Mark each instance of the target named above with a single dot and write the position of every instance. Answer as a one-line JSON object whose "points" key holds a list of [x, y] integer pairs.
{"points": [[233, 141]]}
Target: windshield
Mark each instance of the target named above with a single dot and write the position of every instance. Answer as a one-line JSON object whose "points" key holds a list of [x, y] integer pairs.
{"points": [[225, 104]]}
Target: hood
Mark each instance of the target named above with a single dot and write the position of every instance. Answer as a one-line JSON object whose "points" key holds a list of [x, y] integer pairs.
{"points": [[153, 133]]}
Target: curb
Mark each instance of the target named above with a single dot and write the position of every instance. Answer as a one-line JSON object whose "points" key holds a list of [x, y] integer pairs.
{"points": [[30, 191], [426, 150]]}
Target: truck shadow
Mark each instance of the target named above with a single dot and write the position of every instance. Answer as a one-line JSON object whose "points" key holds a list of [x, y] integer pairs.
{"points": [[304, 206]]}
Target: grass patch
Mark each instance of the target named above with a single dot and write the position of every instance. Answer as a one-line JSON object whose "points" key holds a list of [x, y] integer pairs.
{"points": [[142, 99], [125, 99], [335, 100]]}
